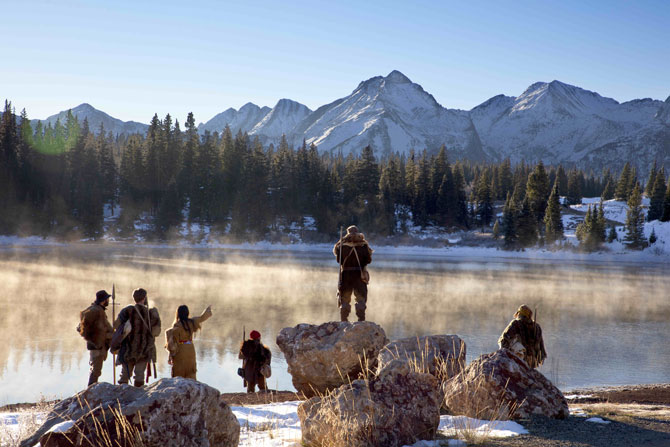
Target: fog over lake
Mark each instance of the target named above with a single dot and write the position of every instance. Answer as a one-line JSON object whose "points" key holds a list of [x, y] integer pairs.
{"points": [[604, 323]]}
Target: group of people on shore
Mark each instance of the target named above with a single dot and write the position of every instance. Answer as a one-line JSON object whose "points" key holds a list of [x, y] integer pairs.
{"points": [[132, 336], [132, 339]]}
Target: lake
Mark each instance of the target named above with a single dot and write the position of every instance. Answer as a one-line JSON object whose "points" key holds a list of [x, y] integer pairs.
{"points": [[605, 323]]}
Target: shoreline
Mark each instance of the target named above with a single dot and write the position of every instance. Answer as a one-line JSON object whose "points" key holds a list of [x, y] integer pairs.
{"points": [[644, 394], [447, 250]]}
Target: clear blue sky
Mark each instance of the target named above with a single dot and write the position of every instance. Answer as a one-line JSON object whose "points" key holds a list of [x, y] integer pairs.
{"points": [[132, 59]]}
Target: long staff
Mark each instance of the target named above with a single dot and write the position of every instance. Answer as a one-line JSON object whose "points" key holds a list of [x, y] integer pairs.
{"points": [[339, 278], [114, 319]]}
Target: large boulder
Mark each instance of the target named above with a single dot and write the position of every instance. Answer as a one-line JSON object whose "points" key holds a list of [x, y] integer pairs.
{"points": [[174, 412], [440, 355], [324, 357], [400, 406], [502, 386]]}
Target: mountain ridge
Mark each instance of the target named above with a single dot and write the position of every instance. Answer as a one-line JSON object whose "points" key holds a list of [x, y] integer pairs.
{"points": [[550, 121]]}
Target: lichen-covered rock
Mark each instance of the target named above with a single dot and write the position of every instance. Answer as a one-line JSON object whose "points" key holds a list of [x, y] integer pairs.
{"points": [[174, 412], [324, 357], [440, 355], [502, 386], [396, 408]]}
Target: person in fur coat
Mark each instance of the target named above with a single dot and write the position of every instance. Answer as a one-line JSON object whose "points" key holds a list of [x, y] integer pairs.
{"points": [[353, 254]]}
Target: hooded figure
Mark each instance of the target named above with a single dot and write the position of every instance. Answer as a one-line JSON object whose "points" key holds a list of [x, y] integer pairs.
{"points": [[353, 254], [254, 355], [523, 337]]}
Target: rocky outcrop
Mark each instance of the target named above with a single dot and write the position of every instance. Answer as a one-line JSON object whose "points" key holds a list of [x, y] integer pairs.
{"points": [[502, 386], [440, 355], [322, 358], [396, 408], [172, 412]]}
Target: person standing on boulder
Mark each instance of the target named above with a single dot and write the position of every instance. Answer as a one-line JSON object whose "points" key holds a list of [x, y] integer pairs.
{"points": [[353, 254], [179, 342], [139, 347], [256, 359], [97, 331], [523, 337]]}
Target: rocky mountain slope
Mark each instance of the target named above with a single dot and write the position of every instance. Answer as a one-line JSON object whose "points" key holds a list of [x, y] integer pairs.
{"points": [[550, 121]]}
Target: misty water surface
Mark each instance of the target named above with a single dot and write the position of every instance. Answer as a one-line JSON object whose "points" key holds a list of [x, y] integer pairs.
{"points": [[604, 323]]}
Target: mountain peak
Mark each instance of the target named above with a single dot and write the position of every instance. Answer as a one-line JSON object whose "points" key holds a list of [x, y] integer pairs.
{"points": [[397, 77], [84, 107]]}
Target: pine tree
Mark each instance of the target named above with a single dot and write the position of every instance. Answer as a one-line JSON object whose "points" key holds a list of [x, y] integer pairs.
{"points": [[496, 229], [612, 235], [634, 238], [574, 196], [187, 173], [652, 236], [621, 191], [484, 200], [657, 197], [666, 205], [553, 223], [651, 180], [461, 212], [509, 222], [562, 179], [505, 179], [608, 192], [537, 191], [527, 225]]}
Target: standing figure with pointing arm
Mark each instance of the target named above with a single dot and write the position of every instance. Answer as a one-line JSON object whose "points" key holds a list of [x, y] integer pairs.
{"points": [[179, 342], [353, 254], [138, 347], [97, 331]]}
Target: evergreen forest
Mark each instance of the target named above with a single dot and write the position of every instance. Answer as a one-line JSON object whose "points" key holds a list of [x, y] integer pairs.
{"points": [[62, 180]]}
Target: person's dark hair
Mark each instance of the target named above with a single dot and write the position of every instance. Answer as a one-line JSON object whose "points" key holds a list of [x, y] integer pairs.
{"points": [[139, 294], [182, 317]]}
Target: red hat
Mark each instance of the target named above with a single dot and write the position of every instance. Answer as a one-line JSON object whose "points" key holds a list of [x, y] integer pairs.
{"points": [[255, 335]]}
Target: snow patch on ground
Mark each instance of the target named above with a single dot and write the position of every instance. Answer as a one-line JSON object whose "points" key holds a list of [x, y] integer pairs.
{"points": [[454, 425], [598, 421]]}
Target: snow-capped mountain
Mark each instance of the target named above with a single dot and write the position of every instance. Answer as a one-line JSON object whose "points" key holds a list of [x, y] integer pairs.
{"points": [[238, 120], [280, 120], [557, 122], [550, 121], [95, 117], [391, 114]]}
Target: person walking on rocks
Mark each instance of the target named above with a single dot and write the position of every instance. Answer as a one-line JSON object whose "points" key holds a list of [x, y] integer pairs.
{"points": [[523, 337], [97, 331], [179, 342], [353, 254], [139, 347], [256, 362]]}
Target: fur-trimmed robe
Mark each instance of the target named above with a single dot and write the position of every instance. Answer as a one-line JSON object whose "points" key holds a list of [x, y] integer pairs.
{"points": [[140, 344], [524, 331], [350, 242]]}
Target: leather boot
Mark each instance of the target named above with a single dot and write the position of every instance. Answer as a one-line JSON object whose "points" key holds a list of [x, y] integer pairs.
{"points": [[344, 314], [360, 314]]}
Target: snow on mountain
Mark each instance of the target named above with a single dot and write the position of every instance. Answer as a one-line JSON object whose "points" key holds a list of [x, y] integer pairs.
{"points": [[557, 122], [281, 119], [95, 117], [238, 120], [391, 114]]}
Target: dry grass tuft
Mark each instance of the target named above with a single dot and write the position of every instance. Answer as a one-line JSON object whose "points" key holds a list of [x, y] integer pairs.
{"points": [[27, 422]]}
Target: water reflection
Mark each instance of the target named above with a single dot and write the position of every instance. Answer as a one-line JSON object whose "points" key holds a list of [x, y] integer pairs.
{"points": [[603, 323]]}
